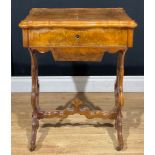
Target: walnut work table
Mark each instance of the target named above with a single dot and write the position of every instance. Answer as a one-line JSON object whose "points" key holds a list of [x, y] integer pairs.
{"points": [[78, 34]]}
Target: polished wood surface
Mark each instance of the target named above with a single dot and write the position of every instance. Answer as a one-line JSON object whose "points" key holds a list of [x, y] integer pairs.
{"points": [[78, 17], [68, 30], [61, 37], [78, 35], [77, 135]]}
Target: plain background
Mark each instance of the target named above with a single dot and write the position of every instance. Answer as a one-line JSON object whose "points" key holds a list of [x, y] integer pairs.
{"points": [[134, 61]]}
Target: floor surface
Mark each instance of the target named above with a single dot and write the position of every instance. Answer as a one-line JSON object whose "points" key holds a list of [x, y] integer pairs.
{"points": [[77, 135]]}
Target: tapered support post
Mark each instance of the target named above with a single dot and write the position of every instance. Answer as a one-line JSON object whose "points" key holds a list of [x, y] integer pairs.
{"points": [[34, 98], [119, 98]]}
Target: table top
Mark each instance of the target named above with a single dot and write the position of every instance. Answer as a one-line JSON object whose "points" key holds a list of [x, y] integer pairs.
{"points": [[77, 17]]}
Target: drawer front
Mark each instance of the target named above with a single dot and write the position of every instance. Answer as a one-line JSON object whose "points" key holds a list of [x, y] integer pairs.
{"points": [[91, 37]]}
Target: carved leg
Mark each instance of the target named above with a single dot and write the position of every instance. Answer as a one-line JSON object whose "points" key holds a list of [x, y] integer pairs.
{"points": [[37, 93], [118, 126], [34, 98], [35, 126], [119, 98]]}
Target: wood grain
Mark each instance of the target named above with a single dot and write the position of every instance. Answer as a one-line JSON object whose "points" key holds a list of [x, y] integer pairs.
{"points": [[77, 17], [74, 34], [76, 54], [92, 37], [77, 135]]}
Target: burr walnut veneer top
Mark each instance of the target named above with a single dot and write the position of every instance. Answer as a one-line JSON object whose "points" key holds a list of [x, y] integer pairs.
{"points": [[77, 17]]}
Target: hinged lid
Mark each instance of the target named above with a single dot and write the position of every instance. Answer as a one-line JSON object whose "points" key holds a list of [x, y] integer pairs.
{"points": [[77, 17]]}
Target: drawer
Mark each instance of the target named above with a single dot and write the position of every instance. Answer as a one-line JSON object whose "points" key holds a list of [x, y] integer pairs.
{"points": [[77, 37]]}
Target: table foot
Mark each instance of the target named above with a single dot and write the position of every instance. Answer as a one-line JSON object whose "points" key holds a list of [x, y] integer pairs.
{"points": [[35, 126], [32, 147], [118, 126], [119, 148]]}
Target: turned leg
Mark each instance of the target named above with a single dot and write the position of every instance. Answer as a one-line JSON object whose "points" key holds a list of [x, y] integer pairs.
{"points": [[34, 98], [119, 98]]}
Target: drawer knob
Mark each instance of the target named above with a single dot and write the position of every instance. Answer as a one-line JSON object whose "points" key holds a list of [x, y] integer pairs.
{"points": [[77, 36]]}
